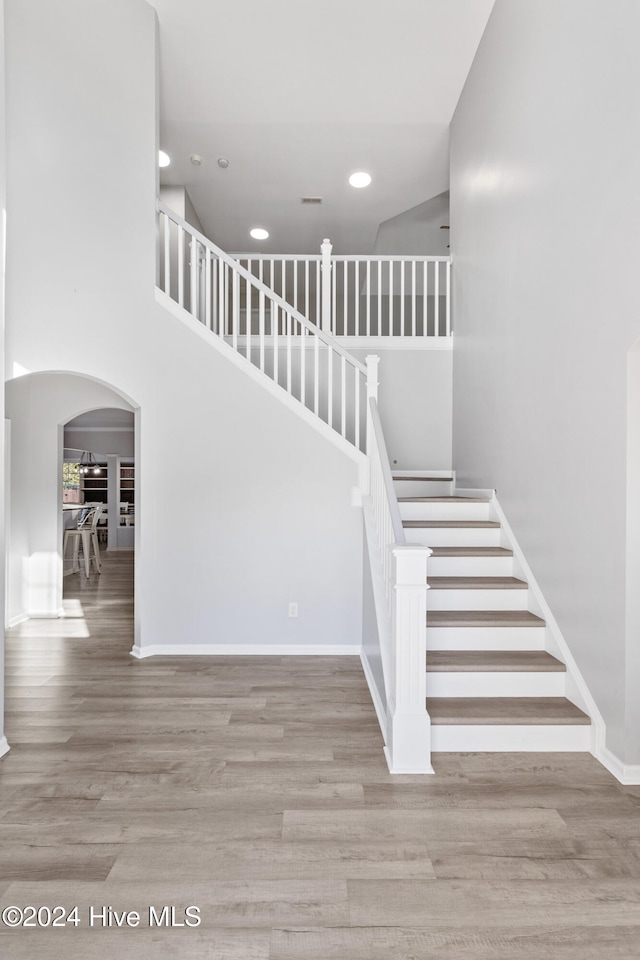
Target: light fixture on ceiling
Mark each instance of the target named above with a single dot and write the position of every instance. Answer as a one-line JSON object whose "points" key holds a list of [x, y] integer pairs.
{"points": [[360, 179], [223, 162], [163, 159], [88, 463], [259, 233], [196, 160]]}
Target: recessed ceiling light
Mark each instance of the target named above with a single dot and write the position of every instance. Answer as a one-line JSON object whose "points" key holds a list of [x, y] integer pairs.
{"points": [[223, 162], [163, 159], [360, 179], [259, 233], [196, 160]]}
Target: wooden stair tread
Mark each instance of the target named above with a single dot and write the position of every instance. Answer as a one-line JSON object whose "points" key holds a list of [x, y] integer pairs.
{"points": [[513, 711], [471, 552], [443, 500], [431, 479], [472, 524], [476, 583], [493, 661], [483, 618]]}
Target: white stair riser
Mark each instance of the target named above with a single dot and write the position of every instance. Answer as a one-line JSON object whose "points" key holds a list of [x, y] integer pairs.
{"points": [[454, 536], [480, 738], [476, 599], [470, 566], [422, 488], [444, 511], [485, 638], [494, 684]]}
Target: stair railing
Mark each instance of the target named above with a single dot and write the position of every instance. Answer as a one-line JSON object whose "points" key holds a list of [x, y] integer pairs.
{"points": [[261, 327], [362, 296], [402, 626]]}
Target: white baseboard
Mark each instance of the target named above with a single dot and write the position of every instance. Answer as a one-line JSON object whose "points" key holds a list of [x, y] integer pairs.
{"points": [[246, 649], [626, 773], [41, 615], [4, 746], [16, 621], [381, 713]]}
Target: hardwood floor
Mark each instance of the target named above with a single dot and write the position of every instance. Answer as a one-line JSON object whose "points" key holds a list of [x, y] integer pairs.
{"points": [[256, 789]]}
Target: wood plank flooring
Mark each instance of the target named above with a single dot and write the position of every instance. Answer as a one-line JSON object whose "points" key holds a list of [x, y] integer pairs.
{"points": [[256, 789]]}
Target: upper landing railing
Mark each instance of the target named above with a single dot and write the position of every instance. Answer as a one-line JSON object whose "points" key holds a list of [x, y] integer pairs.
{"points": [[262, 328], [362, 296]]}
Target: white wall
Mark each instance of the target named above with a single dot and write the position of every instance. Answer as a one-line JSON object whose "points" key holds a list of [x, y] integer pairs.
{"points": [[3, 744], [415, 400], [545, 210], [417, 230], [268, 517]]}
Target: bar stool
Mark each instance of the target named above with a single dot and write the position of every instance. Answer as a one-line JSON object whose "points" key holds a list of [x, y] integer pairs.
{"points": [[85, 533]]}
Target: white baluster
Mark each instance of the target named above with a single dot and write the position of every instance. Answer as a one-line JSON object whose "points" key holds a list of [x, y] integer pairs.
{"points": [[306, 289], [316, 375], [343, 394], [276, 346], [247, 311], [436, 301], [326, 249], [289, 324], [261, 326], [167, 255], [448, 317], [413, 298], [425, 285], [208, 319], [356, 381], [391, 265], [368, 295], [180, 266], [402, 268], [345, 295], [193, 291], [357, 300], [235, 302], [303, 365], [330, 386]]}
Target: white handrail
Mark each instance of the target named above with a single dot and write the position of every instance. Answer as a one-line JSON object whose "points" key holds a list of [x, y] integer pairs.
{"points": [[387, 477], [262, 327], [226, 258]]}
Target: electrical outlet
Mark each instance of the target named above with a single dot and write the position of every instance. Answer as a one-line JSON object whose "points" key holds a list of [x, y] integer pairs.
{"points": [[293, 609]]}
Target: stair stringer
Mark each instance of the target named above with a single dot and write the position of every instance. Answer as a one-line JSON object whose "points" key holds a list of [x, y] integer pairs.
{"points": [[576, 688], [258, 376]]}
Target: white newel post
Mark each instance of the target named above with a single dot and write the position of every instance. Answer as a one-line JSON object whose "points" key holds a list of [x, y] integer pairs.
{"points": [[372, 363], [326, 249], [408, 725]]}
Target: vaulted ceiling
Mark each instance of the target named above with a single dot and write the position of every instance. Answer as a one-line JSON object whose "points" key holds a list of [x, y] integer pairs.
{"points": [[299, 94]]}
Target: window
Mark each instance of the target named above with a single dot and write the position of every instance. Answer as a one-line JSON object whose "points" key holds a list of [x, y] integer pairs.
{"points": [[70, 482]]}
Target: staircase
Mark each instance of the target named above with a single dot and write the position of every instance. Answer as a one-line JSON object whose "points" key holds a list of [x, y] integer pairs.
{"points": [[491, 684]]}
